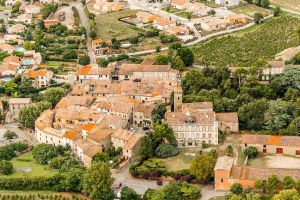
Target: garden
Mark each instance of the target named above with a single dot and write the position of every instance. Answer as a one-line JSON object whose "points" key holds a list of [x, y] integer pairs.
{"points": [[261, 43], [24, 166]]}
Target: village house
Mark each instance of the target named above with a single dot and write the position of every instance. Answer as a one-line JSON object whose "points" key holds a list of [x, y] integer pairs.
{"points": [[213, 24], [288, 54], [35, 58], [197, 123], [274, 67], [17, 28], [142, 114], [41, 77], [16, 104], [8, 70], [12, 60], [77, 101], [108, 6], [177, 30], [71, 116], [197, 8], [13, 38], [145, 72], [50, 22], [274, 144], [228, 122], [126, 140], [179, 4], [25, 18], [228, 2], [32, 9], [226, 174], [236, 19], [144, 17], [93, 72], [162, 23], [99, 47], [10, 3], [7, 48]]}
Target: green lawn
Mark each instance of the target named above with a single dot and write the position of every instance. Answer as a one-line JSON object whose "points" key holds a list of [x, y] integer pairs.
{"points": [[184, 15], [181, 161], [108, 25], [250, 9], [243, 50], [20, 192], [37, 170]]}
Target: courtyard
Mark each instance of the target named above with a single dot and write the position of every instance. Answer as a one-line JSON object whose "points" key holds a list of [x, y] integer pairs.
{"points": [[275, 161]]}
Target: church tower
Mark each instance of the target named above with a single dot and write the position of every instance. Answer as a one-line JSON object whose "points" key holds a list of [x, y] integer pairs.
{"points": [[178, 99]]}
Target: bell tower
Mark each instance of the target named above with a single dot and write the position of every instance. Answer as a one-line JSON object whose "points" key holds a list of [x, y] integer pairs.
{"points": [[177, 99]]}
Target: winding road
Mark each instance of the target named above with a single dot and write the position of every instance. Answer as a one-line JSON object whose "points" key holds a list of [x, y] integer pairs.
{"points": [[85, 23]]}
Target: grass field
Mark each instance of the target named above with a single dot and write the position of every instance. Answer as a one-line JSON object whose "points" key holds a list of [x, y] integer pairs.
{"points": [[36, 169], [181, 161], [289, 4], [108, 25], [250, 9], [244, 49]]}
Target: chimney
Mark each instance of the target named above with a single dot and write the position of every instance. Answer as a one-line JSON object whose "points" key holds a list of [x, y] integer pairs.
{"points": [[84, 134]]}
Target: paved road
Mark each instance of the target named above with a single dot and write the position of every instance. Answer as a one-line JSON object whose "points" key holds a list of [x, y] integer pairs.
{"points": [[85, 23]]}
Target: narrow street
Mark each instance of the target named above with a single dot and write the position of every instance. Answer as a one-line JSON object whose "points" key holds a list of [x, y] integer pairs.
{"points": [[85, 23]]}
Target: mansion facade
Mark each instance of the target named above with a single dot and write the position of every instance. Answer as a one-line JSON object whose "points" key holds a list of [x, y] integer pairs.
{"points": [[197, 123]]}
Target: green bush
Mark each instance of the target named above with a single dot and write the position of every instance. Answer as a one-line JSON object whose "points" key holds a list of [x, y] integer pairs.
{"points": [[6, 167], [166, 150], [251, 152]]}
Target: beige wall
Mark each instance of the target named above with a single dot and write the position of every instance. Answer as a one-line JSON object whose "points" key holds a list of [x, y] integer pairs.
{"points": [[229, 126], [15, 109], [193, 135], [43, 137], [272, 149]]}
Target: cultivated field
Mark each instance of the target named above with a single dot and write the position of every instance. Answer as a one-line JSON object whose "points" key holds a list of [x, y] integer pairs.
{"points": [[243, 50], [289, 4], [108, 25]]}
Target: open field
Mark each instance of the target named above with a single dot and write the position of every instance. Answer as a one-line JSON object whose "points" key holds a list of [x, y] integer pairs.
{"points": [[250, 9], [288, 4], [108, 25], [243, 50], [275, 161], [27, 162]]}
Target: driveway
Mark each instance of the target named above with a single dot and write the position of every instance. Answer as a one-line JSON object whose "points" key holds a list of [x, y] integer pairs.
{"points": [[139, 185]]}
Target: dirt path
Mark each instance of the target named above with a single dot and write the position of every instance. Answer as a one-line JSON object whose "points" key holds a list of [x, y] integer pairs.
{"points": [[69, 18]]}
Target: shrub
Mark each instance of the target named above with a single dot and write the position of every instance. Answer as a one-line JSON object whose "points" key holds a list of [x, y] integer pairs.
{"points": [[251, 152], [166, 150], [6, 167], [236, 188]]}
